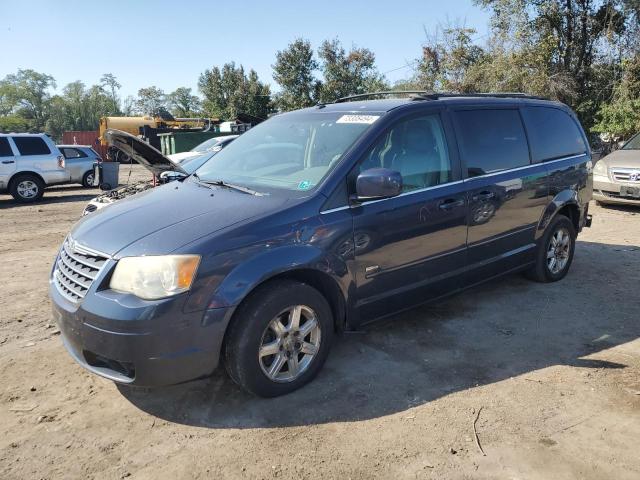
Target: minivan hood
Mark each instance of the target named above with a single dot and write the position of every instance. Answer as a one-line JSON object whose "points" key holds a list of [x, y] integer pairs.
{"points": [[623, 158], [141, 152], [163, 219]]}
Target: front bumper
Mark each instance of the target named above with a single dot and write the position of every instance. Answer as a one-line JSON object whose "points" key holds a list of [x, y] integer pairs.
{"points": [[606, 191], [138, 342]]}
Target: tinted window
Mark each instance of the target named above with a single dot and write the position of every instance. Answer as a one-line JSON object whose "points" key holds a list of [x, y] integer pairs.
{"points": [[552, 133], [417, 149], [5, 148], [31, 146], [491, 140]]}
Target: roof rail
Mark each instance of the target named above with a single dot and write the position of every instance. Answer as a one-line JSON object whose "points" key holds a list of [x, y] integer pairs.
{"points": [[426, 95], [349, 98], [490, 94]]}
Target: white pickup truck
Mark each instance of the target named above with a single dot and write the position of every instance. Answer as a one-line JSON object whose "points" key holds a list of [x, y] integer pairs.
{"points": [[28, 163]]}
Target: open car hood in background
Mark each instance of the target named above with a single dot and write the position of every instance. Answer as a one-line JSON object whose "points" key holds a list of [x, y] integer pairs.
{"points": [[141, 152]]}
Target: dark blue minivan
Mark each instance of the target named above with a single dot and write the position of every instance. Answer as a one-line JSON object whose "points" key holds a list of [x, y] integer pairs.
{"points": [[315, 222]]}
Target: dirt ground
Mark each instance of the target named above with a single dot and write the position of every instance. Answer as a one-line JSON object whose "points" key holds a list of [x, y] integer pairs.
{"points": [[552, 370]]}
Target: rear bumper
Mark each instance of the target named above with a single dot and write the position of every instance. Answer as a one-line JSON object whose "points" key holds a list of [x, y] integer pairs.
{"points": [[140, 343]]}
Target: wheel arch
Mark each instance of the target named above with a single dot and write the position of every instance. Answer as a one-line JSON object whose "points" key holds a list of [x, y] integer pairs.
{"points": [[24, 172], [564, 203]]}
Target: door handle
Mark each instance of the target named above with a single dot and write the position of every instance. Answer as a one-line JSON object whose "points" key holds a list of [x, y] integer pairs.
{"points": [[8, 161], [450, 203], [483, 196]]}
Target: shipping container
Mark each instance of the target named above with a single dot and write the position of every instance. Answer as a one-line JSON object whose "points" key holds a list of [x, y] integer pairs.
{"points": [[90, 137]]}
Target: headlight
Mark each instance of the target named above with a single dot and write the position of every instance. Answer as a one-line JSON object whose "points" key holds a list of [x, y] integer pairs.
{"points": [[155, 277], [600, 169]]}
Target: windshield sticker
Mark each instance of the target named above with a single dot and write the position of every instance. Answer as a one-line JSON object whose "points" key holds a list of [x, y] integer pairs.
{"points": [[304, 185], [367, 119]]}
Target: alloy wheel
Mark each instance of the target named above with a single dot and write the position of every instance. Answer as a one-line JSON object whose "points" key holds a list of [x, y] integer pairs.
{"points": [[289, 344], [558, 250]]}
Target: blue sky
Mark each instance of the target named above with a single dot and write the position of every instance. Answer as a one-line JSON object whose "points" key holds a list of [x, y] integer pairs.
{"points": [[169, 43]]}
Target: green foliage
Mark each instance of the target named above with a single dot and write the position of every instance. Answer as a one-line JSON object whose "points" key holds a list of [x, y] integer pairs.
{"points": [[15, 123], [27, 92], [229, 92], [183, 104], [151, 101], [294, 72], [78, 108], [110, 84], [347, 73], [620, 118]]}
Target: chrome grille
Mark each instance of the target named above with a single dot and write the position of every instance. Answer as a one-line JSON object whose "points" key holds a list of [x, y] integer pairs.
{"points": [[628, 175], [75, 270]]}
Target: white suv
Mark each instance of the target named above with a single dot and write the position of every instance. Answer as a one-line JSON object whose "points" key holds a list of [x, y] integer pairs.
{"points": [[28, 163]]}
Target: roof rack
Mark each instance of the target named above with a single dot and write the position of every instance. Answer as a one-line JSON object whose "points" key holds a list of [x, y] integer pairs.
{"points": [[426, 95], [382, 93], [491, 95]]}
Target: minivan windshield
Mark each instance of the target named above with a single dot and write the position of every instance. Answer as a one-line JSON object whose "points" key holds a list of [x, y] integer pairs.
{"points": [[292, 151], [633, 144]]}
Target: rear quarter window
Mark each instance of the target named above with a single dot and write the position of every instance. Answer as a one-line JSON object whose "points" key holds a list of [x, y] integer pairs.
{"points": [[552, 133], [5, 148], [73, 153], [491, 140], [31, 146]]}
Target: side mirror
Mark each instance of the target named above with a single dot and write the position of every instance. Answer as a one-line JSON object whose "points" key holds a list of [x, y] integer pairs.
{"points": [[377, 183], [170, 176]]}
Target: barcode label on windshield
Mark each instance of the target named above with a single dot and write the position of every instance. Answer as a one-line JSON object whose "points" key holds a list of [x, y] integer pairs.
{"points": [[358, 119]]}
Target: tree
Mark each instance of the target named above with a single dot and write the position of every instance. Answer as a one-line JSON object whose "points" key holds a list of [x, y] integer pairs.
{"points": [[294, 73], [347, 73], [565, 49], [447, 57], [77, 108], [182, 103], [229, 91], [15, 123], [27, 92], [151, 101], [109, 82], [129, 106]]}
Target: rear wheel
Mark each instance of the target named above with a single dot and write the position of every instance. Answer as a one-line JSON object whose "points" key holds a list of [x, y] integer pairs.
{"points": [[555, 251], [87, 180], [27, 188], [279, 338]]}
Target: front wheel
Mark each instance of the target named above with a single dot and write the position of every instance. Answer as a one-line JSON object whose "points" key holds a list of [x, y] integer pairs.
{"points": [[279, 338], [555, 251]]}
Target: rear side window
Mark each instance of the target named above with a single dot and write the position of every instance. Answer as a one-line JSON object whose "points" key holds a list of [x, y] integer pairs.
{"points": [[73, 153], [491, 140], [5, 148], [31, 146], [552, 133]]}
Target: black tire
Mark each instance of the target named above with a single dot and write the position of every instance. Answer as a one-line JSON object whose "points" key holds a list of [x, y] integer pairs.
{"points": [[541, 270], [251, 323], [87, 179], [20, 186]]}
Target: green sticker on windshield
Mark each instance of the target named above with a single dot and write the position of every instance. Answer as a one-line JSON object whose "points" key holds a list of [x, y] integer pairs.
{"points": [[304, 185]]}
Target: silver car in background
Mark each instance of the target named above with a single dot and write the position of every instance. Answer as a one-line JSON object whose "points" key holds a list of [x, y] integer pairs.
{"points": [[79, 160], [616, 177]]}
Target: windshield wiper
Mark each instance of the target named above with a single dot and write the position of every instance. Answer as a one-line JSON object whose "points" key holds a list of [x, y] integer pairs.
{"points": [[222, 183]]}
